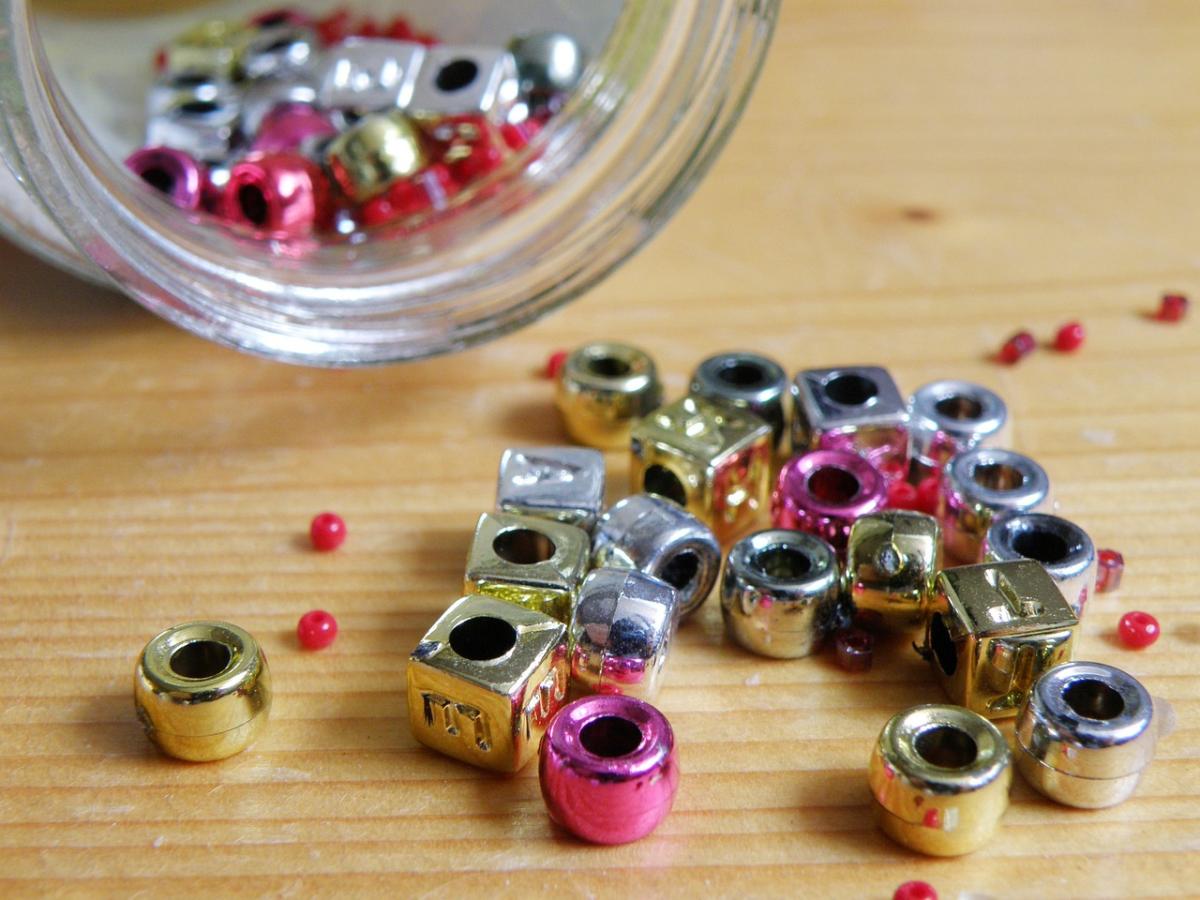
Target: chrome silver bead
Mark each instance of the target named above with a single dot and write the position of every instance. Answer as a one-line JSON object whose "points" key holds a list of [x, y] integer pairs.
{"points": [[206, 128], [1086, 734], [465, 81], [171, 91], [950, 417], [748, 381], [978, 486], [561, 483], [548, 62], [621, 632], [367, 75], [1062, 547], [279, 50], [662, 539], [780, 593]]}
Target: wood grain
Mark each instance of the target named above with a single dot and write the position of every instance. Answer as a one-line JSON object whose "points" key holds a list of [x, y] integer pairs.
{"points": [[913, 181]]}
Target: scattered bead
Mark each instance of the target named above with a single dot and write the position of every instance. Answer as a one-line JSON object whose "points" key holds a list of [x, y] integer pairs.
{"points": [[915, 890], [555, 363], [1138, 630], [334, 27], [316, 630], [1110, 568], [328, 532], [1019, 345], [855, 649], [929, 493], [1172, 308], [1069, 338], [902, 495]]}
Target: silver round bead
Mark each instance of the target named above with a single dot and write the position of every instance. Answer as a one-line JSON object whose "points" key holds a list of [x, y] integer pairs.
{"points": [[951, 417], [978, 486], [548, 62], [748, 381], [1062, 547]]}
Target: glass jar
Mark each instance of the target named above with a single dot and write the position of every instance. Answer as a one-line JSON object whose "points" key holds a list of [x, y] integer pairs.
{"points": [[665, 83]]}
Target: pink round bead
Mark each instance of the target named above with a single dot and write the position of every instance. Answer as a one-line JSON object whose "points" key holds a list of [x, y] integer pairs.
{"points": [[824, 491], [609, 769], [279, 195], [172, 173], [292, 126]]}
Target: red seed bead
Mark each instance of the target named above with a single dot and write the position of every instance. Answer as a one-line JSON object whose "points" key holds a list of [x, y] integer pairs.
{"points": [[1069, 338], [400, 30], [555, 363], [517, 135], [1109, 569], [915, 890], [368, 28], [855, 649], [1138, 630], [1172, 308], [334, 27], [929, 494], [316, 630], [328, 531], [1019, 345], [902, 495]]}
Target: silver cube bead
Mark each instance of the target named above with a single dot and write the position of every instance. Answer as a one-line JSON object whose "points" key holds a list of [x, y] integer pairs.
{"points": [[950, 417], [204, 129], [561, 483], [662, 539], [466, 81], [278, 50], [1062, 547], [620, 632], [367, 75]]}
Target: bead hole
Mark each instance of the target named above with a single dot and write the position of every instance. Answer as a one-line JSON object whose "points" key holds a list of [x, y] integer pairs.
{"points": [[197, 108], [608, 366], [998, 477], [456, 75], [253, 204], [662, 481], [1042, 546], [742, 374], [681, 570], [201, 659], [1093, 699], [190, 80], [942, 645], [523, 546], [483, 638], [946, 747], [959, 406], [610, 736], [830, 484], [783, 562], [159, 179], [851, 389]]}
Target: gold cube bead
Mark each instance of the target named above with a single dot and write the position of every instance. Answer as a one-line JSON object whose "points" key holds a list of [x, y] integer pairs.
{"points": [[202, 690], [711, 458], [485, 681], [940, 776], [368, 158], [993, 629], [531, 562], [603, 389], [213, 48], [892, 559]]}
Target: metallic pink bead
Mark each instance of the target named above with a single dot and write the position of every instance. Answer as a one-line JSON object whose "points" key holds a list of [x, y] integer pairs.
{"points": [[172, 173], [292, 126], [609, 769], [824, 491], [279, 195]]}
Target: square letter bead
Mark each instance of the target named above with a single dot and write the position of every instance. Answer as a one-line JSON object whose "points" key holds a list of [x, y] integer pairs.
{"points": [[485, 681], [367, 75], [993, 630], [565, 484], [534, 563], [857, 408], [709, 457]]}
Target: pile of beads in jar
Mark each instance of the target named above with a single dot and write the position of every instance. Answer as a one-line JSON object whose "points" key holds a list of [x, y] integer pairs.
{"points": [[288, 126], [563, 597]]}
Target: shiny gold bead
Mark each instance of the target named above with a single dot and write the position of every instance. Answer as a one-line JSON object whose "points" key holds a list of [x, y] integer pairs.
{"points": [[212, 48], [993, 629], [485, 681], [892, 559], [202, 690], [374, 154], [940, 777], [529, 561], [603, 389], [710, 457]]}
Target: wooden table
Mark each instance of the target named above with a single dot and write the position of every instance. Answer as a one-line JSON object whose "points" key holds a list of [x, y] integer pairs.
{"points": [[913, 182]]}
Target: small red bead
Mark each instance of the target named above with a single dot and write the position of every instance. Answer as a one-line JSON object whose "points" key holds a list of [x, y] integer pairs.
{"points": [[519, 134], [1110, 567], [335, 27], [855, 649], [555, 363], [1069, 338], [915, 890], [160, 60], [1019, 345], [328, 531], [929, 494], [902, 495], [316, 630], [1138, 630], [399, 29], [368, 28], [1172, 308]]}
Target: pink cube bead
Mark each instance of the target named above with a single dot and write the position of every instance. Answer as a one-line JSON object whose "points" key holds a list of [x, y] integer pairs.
{"points": [[824, 491], [608, 768], [292, 126]]}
